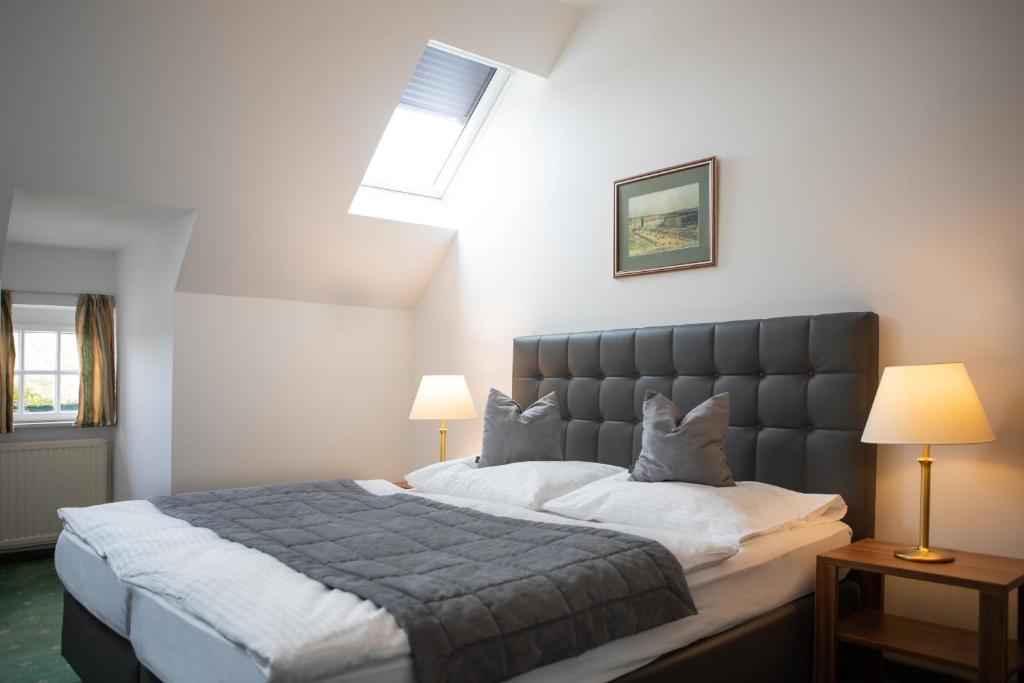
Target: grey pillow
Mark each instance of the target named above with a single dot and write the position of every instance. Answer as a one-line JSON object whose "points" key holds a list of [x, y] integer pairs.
{"points": [[512, 434], [678, 447]]}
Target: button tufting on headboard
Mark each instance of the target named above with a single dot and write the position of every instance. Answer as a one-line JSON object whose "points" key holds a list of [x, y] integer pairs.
{"points": [[801, 390]]}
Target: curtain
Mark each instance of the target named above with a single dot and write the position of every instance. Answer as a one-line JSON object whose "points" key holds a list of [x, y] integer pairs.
{"points": [[6, 364], [97, 394]]}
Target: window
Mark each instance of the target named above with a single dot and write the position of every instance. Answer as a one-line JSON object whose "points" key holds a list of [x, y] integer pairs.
{"points": [[436, 121], [46, 373]]}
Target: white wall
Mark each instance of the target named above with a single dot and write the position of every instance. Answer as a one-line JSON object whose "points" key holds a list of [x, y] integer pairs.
{"points": [[871, 156], [59, 270], [147, 272], [6, 200], [268, 391]]}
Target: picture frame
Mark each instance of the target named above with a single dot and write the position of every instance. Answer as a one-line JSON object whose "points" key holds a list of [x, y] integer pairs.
{"points": [[666, 219]]}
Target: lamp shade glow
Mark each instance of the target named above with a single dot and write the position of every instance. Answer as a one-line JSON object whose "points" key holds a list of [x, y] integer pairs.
{"points": [[442, 397], [927, 404]]}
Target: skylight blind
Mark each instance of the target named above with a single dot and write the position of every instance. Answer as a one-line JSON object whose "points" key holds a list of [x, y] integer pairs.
{"points": [[447, 84]]}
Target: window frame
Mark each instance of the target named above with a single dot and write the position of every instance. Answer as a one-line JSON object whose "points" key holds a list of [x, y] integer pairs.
{"points": [[481, 114], [21, 417]]}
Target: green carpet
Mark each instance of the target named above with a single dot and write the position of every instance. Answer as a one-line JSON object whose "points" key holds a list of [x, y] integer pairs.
{"points": [[31, 605]]}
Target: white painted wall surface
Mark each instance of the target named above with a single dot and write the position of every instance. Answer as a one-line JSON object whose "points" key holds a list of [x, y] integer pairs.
{"points": [[148, 270], [59, 270], [871, 159], [140, 263], [6, 200], [268, 390]]}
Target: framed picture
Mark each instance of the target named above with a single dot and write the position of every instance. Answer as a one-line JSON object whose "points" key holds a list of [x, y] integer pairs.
{"points": [[665, 220]]}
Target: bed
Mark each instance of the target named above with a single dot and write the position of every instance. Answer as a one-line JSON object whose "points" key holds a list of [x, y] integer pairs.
{"points": [[801, 389]]}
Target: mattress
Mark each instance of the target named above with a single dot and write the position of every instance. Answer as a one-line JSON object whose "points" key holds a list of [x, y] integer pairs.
{"points": [[87, 577], [766, 573]]}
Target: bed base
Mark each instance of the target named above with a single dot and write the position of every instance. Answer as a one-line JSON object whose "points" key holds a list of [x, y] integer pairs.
{"points": [[93, 649], [775, 646]]}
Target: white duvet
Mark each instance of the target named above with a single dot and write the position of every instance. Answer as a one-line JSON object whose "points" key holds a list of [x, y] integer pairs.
{"points": [[293, 626]]}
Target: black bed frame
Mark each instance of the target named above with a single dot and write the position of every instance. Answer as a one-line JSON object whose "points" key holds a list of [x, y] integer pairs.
{"points": [[801, 390]]}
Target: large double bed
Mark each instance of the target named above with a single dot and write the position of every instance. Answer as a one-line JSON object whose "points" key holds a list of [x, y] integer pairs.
{"points": [[801, 389]]}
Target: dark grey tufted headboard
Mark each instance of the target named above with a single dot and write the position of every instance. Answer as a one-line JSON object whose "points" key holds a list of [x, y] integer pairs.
{"points": [[801, 389]]}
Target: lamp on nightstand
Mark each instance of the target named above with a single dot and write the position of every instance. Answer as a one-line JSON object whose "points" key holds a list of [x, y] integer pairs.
{"points": [[443, 397], [926, 405]]}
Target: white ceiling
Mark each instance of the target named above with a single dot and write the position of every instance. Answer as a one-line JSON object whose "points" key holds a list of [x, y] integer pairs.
{"points": [[262, 117]]}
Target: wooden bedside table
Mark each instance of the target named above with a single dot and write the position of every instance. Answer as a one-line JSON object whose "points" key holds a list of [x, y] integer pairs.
{"points": [[988, 652]]}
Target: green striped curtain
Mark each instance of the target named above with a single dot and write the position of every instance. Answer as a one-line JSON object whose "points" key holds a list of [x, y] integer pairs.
{"points": [[6, 364], [97, 393]]}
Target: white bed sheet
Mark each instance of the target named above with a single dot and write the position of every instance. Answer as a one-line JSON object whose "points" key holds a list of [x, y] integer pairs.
{"points": [[87, 576], [290, 623], [765, 574], [162, 632]]}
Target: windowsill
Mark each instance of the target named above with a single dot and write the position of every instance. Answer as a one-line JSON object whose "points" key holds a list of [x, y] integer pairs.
{"points": [[375, 202], [54, 423]]}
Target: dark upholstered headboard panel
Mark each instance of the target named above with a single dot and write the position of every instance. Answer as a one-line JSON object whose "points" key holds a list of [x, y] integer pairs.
{"points": [[801, 389]]}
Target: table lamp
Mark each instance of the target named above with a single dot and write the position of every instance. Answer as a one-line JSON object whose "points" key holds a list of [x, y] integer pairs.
{"points": [[926, 405], [443, 397]]}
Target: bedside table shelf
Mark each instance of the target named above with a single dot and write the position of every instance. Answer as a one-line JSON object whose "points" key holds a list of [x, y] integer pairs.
{"points": [[943, 644], [989, 653]]}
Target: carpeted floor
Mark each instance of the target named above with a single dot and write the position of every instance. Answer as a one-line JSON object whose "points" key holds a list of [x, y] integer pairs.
{"points": [[30, 614]]}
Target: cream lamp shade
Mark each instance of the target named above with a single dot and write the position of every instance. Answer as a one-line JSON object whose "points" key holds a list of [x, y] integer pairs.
{"points": [[443, 397], [927, 404]]}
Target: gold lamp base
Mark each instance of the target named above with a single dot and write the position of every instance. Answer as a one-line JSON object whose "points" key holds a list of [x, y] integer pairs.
{"points": [[444, 439], [923, 555]]}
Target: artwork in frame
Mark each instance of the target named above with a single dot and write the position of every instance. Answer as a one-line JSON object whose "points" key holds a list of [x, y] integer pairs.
{"points": [[665, 220]]}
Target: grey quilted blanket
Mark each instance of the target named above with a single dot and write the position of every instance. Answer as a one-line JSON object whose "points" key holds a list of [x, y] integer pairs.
{"points": [[481, 598]]}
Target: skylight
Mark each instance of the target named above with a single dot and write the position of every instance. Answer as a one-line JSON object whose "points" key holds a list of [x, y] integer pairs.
{"points": [[435, 122]]}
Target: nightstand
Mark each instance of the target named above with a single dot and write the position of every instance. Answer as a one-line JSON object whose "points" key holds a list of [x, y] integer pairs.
{"points": [[403, 484], [987, 653]]}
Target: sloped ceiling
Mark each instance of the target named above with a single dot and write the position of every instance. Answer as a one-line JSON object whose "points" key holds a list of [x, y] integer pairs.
{"points": [[260, 115]]}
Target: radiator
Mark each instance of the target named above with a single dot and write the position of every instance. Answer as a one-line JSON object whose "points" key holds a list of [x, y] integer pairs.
{"points": [[36, 478]]}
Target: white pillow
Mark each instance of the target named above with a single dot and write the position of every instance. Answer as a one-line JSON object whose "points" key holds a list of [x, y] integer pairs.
{"points": [[731, 514], [523, 484]]}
